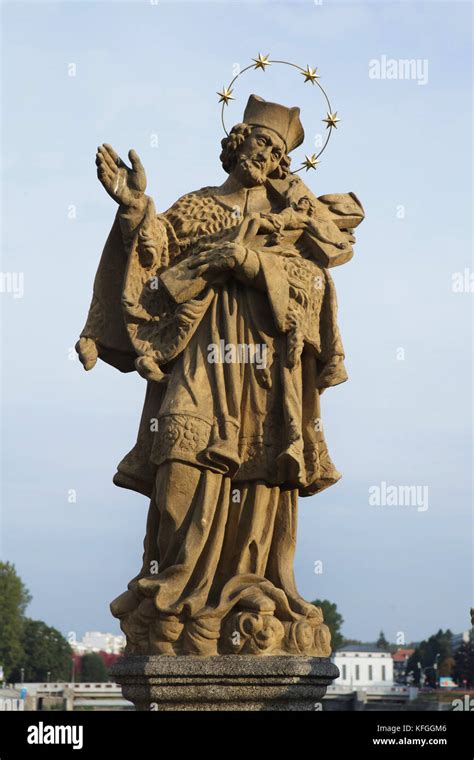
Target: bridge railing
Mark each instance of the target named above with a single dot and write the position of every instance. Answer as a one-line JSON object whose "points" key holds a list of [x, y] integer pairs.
{"points": [[374, 690], [59, 687]]}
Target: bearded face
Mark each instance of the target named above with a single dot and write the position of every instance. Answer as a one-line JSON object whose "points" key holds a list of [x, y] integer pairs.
{"points": [[250, 170], [259, 156]]}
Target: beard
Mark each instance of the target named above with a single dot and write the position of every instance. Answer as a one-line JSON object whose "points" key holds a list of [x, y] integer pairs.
{"points": [[251, 169]]}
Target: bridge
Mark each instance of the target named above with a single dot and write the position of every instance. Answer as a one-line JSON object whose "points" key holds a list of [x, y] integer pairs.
{"points": [[74, 696], [368, 697]]}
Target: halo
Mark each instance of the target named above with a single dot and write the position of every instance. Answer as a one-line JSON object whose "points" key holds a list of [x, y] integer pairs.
{"points": [[310, 75]]}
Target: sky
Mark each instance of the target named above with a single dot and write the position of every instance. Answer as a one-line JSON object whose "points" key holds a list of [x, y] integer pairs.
{"points": [[145, 75]]}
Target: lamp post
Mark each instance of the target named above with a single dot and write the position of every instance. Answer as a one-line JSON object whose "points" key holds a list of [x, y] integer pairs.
{"points": [[421, 675], [436, 669]]}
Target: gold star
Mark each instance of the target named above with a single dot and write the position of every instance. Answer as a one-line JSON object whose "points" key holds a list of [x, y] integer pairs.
{"points": [[310, 75], [331, 120], [310, 162], [225, 96], [261, 61]]}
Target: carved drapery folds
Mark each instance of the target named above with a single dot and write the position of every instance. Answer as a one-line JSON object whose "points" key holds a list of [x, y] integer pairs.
{"points": [[217, 573]]}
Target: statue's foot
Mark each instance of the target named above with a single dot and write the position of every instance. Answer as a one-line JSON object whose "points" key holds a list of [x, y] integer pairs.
{"points": [[255, 600], [162, 647]]}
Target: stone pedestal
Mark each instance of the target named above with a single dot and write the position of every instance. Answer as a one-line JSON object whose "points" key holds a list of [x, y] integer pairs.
{"points": [[226, 682]]}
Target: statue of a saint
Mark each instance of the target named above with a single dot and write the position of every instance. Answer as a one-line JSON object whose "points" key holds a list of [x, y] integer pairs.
{"points": [[225, 305]]}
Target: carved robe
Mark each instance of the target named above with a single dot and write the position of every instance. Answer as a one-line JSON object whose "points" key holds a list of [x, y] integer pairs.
{"points": [[231, 427]]}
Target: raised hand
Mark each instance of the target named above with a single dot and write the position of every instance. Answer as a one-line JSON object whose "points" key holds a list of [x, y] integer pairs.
{"points": [[126, 186]]}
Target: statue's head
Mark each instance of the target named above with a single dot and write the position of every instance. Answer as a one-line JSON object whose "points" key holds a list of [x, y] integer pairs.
{"points": [[258, 147]]}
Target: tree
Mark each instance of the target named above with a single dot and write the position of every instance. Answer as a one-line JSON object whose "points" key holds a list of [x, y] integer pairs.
{"points": [[45, 651], [463, 669], [93, 668], [333, 620], [436, 651], [14, 598], [382, 642], [446, 666]]}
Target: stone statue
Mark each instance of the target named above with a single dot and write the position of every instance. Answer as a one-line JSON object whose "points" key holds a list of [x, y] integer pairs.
{"points": [[225, 305]]}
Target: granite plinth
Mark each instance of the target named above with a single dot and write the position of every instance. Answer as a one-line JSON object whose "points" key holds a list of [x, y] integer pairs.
{"points": [[225, 682]]}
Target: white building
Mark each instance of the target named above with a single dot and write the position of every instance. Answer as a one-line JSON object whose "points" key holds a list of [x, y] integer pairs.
{"points": [[95, 641], [363, 665]]}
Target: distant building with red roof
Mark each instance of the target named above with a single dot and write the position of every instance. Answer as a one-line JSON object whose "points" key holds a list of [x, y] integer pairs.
{"points": [[400, 659]]}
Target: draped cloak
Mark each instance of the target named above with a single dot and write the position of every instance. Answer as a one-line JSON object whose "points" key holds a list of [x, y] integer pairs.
{"points": [[250, 418], [234, 367]]}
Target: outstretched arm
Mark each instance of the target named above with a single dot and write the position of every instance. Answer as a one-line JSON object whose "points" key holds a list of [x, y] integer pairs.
{"points": [[126, 186]]}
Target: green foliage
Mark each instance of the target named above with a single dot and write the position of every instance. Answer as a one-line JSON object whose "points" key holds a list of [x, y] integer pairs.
{"points": [[25, 644], [382, 642], [14, 598], [426, 656], [93, 668], [463, 668], [45, 651], [333, 620]]}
